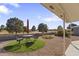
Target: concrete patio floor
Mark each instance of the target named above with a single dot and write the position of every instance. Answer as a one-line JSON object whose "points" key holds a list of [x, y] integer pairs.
{"points": [[73, 49]]}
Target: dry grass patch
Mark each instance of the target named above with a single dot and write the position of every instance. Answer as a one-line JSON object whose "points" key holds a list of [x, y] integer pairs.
{"points": [[48, 36]]}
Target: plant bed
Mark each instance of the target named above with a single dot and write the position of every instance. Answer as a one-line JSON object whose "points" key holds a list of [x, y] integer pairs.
{"points": [[60, 33], [48, 36], [26, 45]]}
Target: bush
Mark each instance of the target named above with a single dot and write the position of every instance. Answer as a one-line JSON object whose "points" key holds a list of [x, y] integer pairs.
{"points": [[68, 33], [60, 33], [47, 36]]}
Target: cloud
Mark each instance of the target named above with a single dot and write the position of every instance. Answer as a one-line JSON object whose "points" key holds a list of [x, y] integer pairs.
{"points": [[14, 4], [11, 4], [4, 9], [39, 17], [49, 19]]}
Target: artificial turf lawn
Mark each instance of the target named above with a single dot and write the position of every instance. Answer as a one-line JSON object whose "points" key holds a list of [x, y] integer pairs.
{"points": [[26, 45]]}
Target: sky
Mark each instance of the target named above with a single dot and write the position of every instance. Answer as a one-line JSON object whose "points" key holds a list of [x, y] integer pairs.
{"points": [[35, 12]]}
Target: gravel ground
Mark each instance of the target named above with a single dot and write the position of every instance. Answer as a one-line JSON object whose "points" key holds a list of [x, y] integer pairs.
{"points": [[53, 47]]}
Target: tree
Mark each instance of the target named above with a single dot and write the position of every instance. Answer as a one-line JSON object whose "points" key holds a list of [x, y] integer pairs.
{"points": [[2, 27], [70, 26], [14, 25], [27, 26], [24, 29], [60, 28], [42, 27], [33, 28], [60, 31]]}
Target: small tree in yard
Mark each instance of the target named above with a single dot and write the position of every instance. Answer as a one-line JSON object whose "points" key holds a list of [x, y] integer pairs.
{"points": [[42, 27], [24, 29], [2, 27], [33, 28], [27, 26], [14, 25], [60, 31]]}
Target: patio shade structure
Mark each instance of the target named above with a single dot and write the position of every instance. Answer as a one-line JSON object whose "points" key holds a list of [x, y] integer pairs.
{"points": [[68, 12], [71, 10]]}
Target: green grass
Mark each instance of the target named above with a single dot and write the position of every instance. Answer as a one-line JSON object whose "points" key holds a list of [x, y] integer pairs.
{"points": [[26, 45]]}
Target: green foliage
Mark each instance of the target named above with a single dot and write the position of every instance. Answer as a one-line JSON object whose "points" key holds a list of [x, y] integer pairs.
{"points": [[24, 29], [14, 25], [2, 27], [48, 36], [27, 45], [60, 32], [27, 26], [33, 28], [42, 27]]}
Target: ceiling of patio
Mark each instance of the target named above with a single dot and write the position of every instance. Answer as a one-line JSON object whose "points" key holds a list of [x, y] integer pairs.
{"points": [[70, 10]]}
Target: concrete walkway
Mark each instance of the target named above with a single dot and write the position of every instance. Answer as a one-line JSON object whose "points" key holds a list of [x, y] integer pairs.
{"points": [[73, 49]]}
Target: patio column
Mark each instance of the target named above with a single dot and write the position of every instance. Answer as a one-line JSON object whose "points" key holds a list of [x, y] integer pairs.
{"points": [[64, 33], [70, 33]]}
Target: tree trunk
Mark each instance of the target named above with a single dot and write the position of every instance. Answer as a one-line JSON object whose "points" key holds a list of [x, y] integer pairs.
{"points": [[16, 33]]}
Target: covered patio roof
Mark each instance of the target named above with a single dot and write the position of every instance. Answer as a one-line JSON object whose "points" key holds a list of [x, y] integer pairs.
{"points": [[70, 10]]}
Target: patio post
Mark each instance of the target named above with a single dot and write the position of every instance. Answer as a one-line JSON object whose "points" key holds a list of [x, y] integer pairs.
{"points": [[64, 19], [64, 34], [70, 32]]}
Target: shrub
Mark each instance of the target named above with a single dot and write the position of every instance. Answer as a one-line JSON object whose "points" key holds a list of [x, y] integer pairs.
{"points": [[47, 36], [60, 32], [67, 33]]}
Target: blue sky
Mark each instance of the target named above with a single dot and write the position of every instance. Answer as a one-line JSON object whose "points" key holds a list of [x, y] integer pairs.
{"points": [[35, 12]]}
